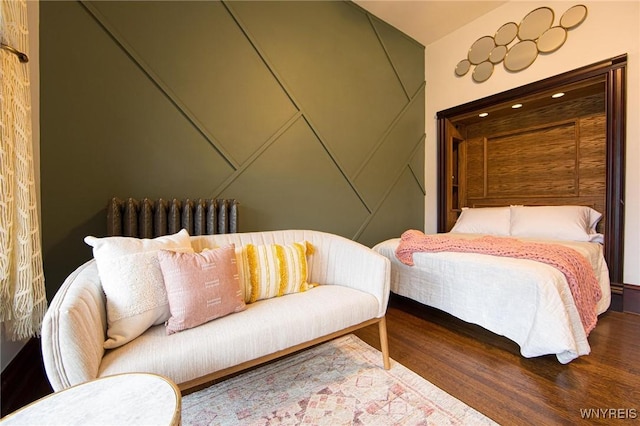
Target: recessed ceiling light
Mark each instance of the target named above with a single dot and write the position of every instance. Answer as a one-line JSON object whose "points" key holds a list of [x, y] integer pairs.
{"points": [[516, 106], [557, 95], [483, 114]]}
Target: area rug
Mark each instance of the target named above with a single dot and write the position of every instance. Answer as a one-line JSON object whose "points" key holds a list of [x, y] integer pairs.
{"points": [[340, 382]]}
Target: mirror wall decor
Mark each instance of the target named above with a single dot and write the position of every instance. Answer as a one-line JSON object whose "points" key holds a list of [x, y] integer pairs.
{"points": [[518, 45]]}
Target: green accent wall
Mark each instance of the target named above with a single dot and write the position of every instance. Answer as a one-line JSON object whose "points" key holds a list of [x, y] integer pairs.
{"points": [[311, 114]]}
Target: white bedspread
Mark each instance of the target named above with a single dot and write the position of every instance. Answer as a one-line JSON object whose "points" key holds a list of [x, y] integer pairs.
{"points": [[526, 301]]}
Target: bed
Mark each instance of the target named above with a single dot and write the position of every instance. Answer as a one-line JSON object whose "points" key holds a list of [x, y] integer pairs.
{"points": [[548, 173], [528, 301]]}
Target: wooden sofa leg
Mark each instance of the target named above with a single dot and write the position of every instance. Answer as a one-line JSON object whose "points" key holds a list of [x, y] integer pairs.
{"points": [[384, 343]]}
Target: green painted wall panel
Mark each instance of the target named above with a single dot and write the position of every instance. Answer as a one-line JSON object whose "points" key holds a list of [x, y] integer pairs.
{"points": [[105, 130], [197, 51], [402, 209], [276, 104], [295, 184], [406, 55], [331, 60], [392, 155], [417, 165]]}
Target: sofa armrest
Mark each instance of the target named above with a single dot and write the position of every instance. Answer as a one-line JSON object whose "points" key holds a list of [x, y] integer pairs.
{"points": [[341, 261], [74, 329]]}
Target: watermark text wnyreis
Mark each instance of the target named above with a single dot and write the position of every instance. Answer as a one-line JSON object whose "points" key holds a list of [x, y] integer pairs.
{"points": [[609, 413]]}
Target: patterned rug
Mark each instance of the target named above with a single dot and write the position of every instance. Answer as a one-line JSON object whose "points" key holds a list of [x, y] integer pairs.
{"points": [[340, 382]]}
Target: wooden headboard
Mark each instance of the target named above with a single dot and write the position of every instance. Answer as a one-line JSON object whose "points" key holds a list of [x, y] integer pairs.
{"points": [[568, 150], [561, 162]]}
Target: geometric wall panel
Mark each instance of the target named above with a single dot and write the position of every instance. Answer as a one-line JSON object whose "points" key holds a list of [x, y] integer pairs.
{"points": [[417, 165], [405, 56], [402, 209], [201, 56], [392, 155], [283, 191], [333, 64], [311, 114]]}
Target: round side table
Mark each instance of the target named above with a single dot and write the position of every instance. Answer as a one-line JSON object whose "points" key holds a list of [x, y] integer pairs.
{"points": [[122, 399]]}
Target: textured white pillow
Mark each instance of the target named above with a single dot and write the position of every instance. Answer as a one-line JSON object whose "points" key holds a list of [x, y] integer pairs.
{"points": [[132, 281], [568, 223], [483, 220]]}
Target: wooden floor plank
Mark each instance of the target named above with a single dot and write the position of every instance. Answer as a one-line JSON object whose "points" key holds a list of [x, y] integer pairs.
{"points": [[487, 372]]}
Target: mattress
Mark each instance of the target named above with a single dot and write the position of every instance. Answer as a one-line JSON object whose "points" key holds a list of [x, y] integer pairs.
{"points": [[524, 300]]}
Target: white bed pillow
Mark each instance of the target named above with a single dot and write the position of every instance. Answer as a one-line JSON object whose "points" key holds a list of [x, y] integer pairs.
{"points": [[132, 280], [568, 223], [483, 220]]}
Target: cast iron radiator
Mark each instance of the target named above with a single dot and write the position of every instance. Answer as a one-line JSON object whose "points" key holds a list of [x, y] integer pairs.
{"points": [[146, 218]]}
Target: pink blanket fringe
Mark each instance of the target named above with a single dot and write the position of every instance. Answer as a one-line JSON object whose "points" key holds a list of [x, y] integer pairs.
{"points": [[577, 270]]}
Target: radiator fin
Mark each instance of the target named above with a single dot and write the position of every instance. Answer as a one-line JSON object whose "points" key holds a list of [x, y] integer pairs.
{"points": [[147, 218]]}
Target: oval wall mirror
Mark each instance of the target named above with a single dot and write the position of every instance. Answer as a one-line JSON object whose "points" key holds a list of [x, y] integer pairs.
{"points": [[573, 17], [497, 54], [506, 34], [480, 50], [552, 39], [482, 72], [535, 23], [521, 55], [463, 67]]}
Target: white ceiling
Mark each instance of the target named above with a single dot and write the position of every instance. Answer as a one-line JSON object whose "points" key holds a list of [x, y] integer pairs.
{"points": [[427, 20]]}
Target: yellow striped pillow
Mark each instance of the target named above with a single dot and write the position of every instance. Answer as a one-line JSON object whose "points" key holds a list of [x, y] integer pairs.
{"points": [[273, 270]]}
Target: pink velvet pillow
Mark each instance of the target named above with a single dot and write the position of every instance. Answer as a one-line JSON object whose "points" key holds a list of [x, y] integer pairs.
{"points": [[200, 286]]}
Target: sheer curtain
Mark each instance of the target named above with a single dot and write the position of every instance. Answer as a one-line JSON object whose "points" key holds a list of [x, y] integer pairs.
{"points": [[22, 292]]}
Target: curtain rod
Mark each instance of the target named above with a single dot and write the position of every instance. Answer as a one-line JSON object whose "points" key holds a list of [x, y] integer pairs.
{"points": [[22, 57]]}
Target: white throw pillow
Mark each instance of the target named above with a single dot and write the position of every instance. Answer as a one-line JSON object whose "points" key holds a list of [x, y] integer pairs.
{"points": [[483, 220], [567, 223], [132, 281]]}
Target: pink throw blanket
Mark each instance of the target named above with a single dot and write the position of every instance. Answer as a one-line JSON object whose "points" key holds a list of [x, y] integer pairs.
{"points": [[579, 273]]}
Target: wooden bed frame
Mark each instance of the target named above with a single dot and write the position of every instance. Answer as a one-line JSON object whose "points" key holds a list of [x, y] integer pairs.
{"points": [[570, 151]]}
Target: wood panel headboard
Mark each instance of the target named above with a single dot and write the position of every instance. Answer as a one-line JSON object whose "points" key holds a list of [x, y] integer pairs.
{"points": [[557, 163]]}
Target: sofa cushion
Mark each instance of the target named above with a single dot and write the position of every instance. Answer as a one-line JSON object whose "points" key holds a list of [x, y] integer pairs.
{"points": [[200, 286], [132, 281], [265, 327], [272, 270]]}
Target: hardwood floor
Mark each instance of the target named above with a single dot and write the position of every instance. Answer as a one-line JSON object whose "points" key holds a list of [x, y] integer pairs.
{"points": [[487, 372], [24, 379]]}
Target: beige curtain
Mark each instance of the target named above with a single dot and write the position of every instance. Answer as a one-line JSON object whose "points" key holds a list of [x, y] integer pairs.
{"points": [[22, 292]]}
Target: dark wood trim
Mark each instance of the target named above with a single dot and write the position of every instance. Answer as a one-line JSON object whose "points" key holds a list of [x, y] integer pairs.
{"points": [[614, 70], [22, 379], [442, 167], [617, 293], [583, 73], [631, 299], [616, 141]]}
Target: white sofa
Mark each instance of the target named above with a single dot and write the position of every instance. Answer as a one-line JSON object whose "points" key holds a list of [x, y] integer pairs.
{"points": [[353, 293]]}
